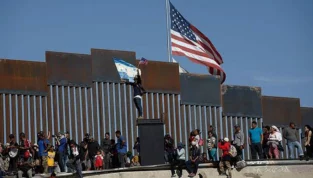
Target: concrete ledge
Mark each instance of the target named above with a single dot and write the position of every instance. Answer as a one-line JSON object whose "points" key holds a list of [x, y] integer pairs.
{"points": [[290, 171], [253, 168]]}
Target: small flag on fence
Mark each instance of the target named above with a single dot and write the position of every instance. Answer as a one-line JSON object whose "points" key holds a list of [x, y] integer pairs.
{"points": [[126, 70], [143, 61]]}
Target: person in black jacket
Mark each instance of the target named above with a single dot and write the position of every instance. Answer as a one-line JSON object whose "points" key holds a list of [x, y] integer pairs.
{"points": [[75, 163], [93, 147], [169, 149], [138, 92], [106, 146]]}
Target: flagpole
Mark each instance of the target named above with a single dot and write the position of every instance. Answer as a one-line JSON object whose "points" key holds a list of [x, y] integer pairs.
{"points": [[169, 51]]}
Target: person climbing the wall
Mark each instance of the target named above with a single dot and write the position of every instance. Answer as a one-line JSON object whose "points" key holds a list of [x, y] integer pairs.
{"points": [[138, 92]]}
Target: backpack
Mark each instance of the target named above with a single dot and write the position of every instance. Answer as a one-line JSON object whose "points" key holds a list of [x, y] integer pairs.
{"points": [[241, 164], [232, 151]]}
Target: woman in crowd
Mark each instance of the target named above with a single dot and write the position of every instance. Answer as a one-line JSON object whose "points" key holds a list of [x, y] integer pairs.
{"points": [[197, 137], [308, 142], [193, 162], [212, 146], [274, 140]]}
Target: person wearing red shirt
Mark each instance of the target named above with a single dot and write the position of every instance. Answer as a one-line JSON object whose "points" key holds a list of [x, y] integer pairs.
{"points": [[224, 145]]}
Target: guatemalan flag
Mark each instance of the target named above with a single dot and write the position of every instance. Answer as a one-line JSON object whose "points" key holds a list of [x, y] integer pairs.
{"points": [[126, 70]]}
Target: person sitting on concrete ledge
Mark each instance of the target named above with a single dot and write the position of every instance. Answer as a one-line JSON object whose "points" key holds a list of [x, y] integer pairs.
{"points": [[224, 145], [179, 161], [193, 162], [25, 165], [75, 163]]}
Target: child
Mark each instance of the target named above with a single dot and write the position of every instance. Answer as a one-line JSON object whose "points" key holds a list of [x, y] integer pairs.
{"points": [[50, 160], [129, 155], [135, 161], [98, 160], [204, 158]]}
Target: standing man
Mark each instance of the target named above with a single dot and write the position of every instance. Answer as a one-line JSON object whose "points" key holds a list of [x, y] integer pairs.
{"points": [[266, 148], [13, 153], [121, 148], [255, 140], [106, 146], [25, 144], [239, 141], [68, 150], [62, 149], [93, 148], [290, 134]]}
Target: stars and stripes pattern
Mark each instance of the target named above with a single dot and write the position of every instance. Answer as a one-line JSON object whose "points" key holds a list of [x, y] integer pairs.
{"points": [[188, 41], [143, 61]]}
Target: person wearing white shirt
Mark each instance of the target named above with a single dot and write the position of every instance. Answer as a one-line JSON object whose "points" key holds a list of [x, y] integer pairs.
{"points": [[180, 160], [274, 140]]}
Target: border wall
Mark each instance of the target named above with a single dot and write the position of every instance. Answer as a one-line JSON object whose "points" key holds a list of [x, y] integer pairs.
{"points": [[82, 93]]}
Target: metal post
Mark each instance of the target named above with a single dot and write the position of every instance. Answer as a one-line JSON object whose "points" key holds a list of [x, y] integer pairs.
{"points": [[167, 5]]}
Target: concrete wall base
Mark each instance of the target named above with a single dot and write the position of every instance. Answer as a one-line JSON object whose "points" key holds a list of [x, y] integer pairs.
{"points": [[293, 171]]}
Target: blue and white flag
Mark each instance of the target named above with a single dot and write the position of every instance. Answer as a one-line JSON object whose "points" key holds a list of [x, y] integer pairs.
{"points": [[126, 70]]}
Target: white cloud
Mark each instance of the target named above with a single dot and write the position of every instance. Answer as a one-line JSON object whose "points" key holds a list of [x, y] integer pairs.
{"points": [[283, 80]]}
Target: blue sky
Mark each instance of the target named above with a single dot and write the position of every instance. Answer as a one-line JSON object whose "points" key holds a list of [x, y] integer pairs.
{"points": [[263, 43]]}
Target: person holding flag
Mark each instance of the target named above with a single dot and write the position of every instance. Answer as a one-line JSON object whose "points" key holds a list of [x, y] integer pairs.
{"points": [[138, 89]]}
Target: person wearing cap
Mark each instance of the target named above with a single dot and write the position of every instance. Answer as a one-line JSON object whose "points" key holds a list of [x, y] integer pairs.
{"points": [[13, 153], [255, 140], [25, 165], [61, 150], [193, 162], [273, 141], [291, 135], [42, 152], [224, 145], [238, 142], [179, 161]]}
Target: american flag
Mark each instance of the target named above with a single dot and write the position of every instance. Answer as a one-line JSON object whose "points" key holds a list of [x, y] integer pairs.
{"points": [[143, 61], [188, 41]]}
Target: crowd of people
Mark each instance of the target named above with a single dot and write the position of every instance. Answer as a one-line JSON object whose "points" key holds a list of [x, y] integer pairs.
{"points": [[23, 158], [263, 143]]}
